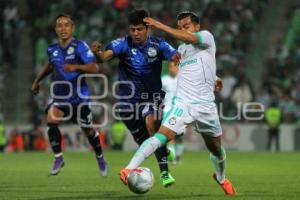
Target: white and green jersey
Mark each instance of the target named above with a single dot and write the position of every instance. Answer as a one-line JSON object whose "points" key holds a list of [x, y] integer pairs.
{"points": [[169, 85], [197, 71]]}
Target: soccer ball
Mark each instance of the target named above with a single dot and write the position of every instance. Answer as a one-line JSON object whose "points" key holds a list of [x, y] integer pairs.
{"points": [[140, 180]]}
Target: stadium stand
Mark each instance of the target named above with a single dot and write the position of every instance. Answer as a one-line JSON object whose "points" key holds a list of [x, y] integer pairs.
{"points": [[237, 26]]}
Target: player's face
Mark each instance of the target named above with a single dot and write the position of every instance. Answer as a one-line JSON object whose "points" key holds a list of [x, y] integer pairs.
{"points": [[138, 33], [64, 28], [187, 25]]}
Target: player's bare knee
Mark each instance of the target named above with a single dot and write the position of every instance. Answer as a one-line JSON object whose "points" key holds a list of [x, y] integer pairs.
{"points": [[88, 132], [54, 115], [167, 132], [151, 129], [50, 120], [152, 125]]}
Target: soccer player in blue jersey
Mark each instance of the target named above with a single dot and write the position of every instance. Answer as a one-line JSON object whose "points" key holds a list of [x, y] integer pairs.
{"points": [[68, 60], [140, 87]]}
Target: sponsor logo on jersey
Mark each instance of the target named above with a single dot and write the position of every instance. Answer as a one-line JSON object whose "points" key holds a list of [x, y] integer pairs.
{"points": [[70, 57], [150, 60], [70, 50], [188, 62]]}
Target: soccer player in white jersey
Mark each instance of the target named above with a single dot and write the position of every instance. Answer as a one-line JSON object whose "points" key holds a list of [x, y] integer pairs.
{"points": [[194, 100]]}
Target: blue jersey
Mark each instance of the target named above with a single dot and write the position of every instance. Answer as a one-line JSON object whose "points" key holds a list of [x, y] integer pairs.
{"points": [[77, 52], [141, 65]]}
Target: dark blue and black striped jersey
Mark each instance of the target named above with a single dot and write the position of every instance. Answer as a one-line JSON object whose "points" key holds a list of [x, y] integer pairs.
{"points": [[140, 67], [68, 88]]}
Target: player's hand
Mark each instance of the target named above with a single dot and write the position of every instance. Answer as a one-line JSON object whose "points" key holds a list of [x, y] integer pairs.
{"points": [[176, 58], [96, 47], [70, 68], [152, 22], [218, 85], [35, 88]]}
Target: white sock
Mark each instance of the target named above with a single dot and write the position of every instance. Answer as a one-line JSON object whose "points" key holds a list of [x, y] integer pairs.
{"points": [[179, 149], [148, 147], [219, 165], [58, 155], [100, 156]]}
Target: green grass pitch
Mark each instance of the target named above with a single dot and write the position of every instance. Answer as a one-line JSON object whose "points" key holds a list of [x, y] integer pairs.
{"points": [[255, 176]]}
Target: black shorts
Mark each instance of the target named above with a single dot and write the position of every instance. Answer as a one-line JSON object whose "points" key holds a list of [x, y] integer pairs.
{"points": [[79, 114], [135, 120]]}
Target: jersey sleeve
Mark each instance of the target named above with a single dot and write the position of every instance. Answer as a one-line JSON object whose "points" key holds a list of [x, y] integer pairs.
{"points": [[85, 53], [205, 39], [116, 46], [167, 50], [49, 52]]}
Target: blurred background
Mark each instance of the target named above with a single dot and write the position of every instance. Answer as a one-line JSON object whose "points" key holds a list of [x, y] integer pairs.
{"points": [[258, 58]]}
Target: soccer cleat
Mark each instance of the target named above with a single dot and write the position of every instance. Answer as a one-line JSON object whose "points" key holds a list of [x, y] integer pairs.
{"points": [[226, 186], [171, 154], [166, 179], [102, 166], [124, 174], [57, 165]]}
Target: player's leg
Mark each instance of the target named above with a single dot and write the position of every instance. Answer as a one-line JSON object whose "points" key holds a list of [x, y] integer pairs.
{"points": [[84, 119], [172, 151], [179, 147], [174, 122], [148, 147], [162, 153], [218, 159], [93, 138], [54, 134], [217, 155], [208, 124], [152, 125], [136, 125]]}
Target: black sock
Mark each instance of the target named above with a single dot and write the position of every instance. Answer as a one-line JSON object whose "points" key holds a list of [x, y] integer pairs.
{"points": [[54, 138], [95, 143], [161, 156]]}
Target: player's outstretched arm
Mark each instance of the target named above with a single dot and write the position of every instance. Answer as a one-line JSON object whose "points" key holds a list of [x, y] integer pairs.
{"points": [[47, 69], [102, 56], [178, 34], [86, 68]]}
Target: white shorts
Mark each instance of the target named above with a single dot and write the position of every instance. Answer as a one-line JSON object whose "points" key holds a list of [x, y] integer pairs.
{"points": [[203, 116]]}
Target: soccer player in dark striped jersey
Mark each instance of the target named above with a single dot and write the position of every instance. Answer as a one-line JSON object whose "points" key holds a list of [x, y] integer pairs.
{"points": [[140, 87], [69, 59]]}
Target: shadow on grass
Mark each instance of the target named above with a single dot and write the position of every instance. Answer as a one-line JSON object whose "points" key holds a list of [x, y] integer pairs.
{"points": [[114, 195]]}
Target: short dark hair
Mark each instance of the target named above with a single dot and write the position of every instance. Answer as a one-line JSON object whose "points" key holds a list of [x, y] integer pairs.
{"points": [[64, 15], [194, 17], [136, 17]]}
